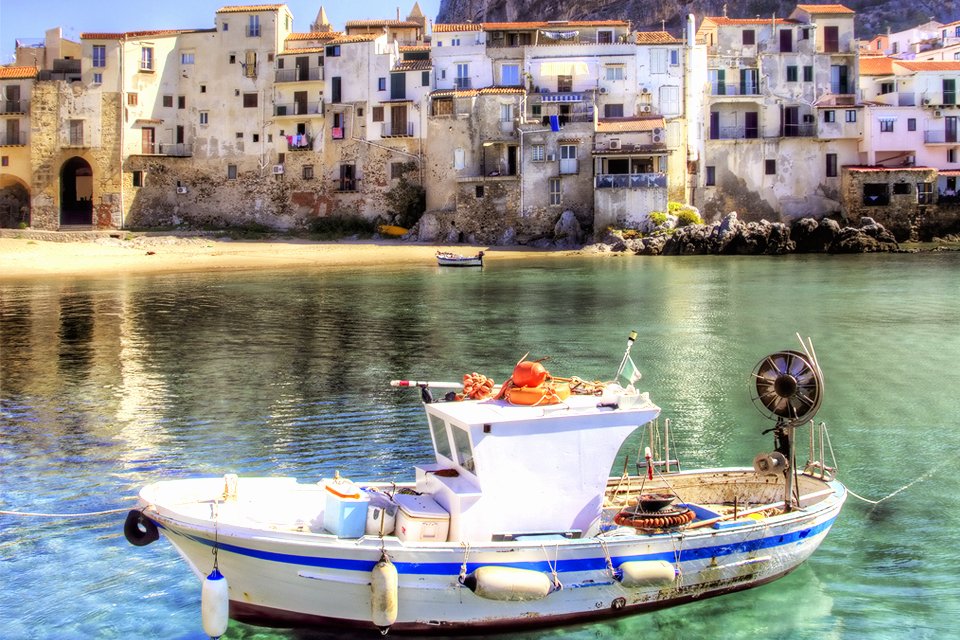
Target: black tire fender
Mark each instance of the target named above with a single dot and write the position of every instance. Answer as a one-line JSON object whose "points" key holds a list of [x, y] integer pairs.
{"points": [[139, 530]]}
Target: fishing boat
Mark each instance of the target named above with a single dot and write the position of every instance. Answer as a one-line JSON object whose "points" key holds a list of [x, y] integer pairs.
{"points": [[516, 521], [448, 259]]}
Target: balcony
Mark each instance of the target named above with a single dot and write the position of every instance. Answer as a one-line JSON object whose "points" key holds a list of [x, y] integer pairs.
{"points": [[461, 83], [580, 114], [177, 149], [300, 74], [940, 137], [735, 133], [299, 142], [399, 129], [798, 130], [14, 107], [841, 88], [13, 138], [734, 89], [631, 181], [299, 109]]}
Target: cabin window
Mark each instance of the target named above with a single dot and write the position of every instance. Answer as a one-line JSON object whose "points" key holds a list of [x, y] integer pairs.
{"points": [[439, 430], [461, 440]]}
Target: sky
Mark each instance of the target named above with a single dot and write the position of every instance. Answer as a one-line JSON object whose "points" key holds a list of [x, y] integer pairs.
{"points": [[29, 19]]}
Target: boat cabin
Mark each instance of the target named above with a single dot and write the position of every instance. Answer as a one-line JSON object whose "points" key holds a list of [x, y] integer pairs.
{"points": [[505, 471]]}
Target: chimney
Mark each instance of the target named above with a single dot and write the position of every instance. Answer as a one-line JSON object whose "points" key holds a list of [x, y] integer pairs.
{"points": [[691, 30]]}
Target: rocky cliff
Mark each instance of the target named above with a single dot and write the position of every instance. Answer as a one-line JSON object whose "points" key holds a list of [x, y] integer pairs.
{"points": [[873, 16]]}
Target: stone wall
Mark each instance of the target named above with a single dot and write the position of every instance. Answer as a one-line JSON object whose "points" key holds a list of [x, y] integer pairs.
{"points": [[901, 215]]}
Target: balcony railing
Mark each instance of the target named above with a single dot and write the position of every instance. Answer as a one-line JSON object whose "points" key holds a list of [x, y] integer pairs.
{"points": [[298, 109], [14, 106], [584, 114], [939, 137], [176, 149], [461, 83], [631, 181], [399, 129], [734, 89], [841, 88], [798, 130], [13, 139], [735, 133], [299, 75]]}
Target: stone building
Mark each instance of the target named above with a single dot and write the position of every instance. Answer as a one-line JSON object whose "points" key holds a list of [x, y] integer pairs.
{"points": [[16, 88]]}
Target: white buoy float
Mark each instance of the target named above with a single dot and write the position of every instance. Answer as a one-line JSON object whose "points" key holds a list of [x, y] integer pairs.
{"points": [[647, 573], [384, 587], [215, 604], [508, 583]]}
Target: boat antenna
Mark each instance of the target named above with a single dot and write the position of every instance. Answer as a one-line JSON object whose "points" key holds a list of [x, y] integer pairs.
{"points": [[626, 354]]}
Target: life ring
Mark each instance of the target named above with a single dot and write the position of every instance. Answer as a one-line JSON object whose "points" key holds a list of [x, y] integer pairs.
{"points": [[139, 530], [654, 519], [547, 393]]}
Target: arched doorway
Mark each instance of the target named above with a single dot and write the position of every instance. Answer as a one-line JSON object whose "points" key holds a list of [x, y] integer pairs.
{"points": [[14, 203], [76, 192]]}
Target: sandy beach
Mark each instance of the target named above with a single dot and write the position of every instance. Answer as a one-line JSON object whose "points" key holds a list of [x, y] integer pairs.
{"points": [[30, 255]]}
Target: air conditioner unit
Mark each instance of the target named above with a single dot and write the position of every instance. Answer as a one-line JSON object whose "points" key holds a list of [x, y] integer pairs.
{"points": [[278, 168], [644, 90], [658, 131], [645, 108], [181, 189], [551, 157], [603, 89], [614, 144], [657, 138], [937, 113]]}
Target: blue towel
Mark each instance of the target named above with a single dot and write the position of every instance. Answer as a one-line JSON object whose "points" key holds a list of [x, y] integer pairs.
{"points": [[554, 123]]}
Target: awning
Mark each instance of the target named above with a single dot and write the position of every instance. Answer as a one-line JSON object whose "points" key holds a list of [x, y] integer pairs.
{"points": [[563, 69], [561, 97]]}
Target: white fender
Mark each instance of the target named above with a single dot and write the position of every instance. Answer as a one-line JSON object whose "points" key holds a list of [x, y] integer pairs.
{"points": [[215, 604], [508, 583], [647, 573], [384, 600]]}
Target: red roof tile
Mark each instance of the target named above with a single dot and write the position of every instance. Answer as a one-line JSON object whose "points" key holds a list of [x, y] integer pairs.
{"points": [[451, 28], [876, 66], [413, 65], [18, 73], [316, 35], [656, 37], [823, 9], [382, 23], [160, 33], [629, 125], [928, 65], [250, 8]]}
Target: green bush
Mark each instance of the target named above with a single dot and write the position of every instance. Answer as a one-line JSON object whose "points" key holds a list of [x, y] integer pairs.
{"points": [[342, 225], [673, 208], [687, 217], [657, 218]]}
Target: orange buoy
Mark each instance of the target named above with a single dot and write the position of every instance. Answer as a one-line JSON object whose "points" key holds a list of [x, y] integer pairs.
{"points": [[547, 393], [529, 374]]}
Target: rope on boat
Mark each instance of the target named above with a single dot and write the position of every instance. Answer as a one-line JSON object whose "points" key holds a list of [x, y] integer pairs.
{"points": [[88, 514]]}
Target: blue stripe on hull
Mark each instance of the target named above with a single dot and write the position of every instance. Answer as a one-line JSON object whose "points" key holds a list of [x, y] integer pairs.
{"points": [[561, 566]]}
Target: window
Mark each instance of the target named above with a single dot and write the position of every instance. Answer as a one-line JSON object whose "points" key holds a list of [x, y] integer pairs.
{"points": [[886, 125], [239, 135], [232, 59], [791, 73], [808, 73], [478, 191], [901, 189], [203, 88], [613, 72], [4, 161], [605, 36], [455, 41], [167, 101], [829, 115], [307, 172], [377, 114], [831, 165], [924, 193], [76, 132], [97, 78], [231, 172], [510, 75], [381, 84], [555, 192], [831, 39], [253, 28], [333, 51], [348, 180], [249, 100], [335, 90], [536, 153], [250, 64], [99, 55], [461, 441], [851, 115], [226, 26], [440, 441], [137, 178], [186, 57], [613, 111], [658, 61], [132, 99], [396, 170], [181, 102], [424, 78], [749, 37], [462, 80], [674, 57], [886, 87], [568, 152], [146, 59], [770, 167], [911, 124], [204, 117], [876, 194], [711, 176], [564, 84], [506, 113], [951, 155], [786, 41]]}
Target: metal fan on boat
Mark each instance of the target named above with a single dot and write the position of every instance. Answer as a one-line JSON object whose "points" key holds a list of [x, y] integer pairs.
{"points": [[788, 386]]}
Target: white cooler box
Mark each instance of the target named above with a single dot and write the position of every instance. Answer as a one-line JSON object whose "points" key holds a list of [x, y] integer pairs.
{"points": [[421, 519]]}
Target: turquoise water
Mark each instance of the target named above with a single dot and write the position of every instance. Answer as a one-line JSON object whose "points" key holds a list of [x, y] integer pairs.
{"points": [[107, 384]]}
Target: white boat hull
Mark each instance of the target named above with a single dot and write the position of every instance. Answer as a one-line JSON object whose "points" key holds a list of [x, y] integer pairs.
{"points": [[283, 572]]}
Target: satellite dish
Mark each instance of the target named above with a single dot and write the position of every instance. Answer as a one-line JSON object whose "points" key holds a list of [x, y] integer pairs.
{"points": [[787, 387]]}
